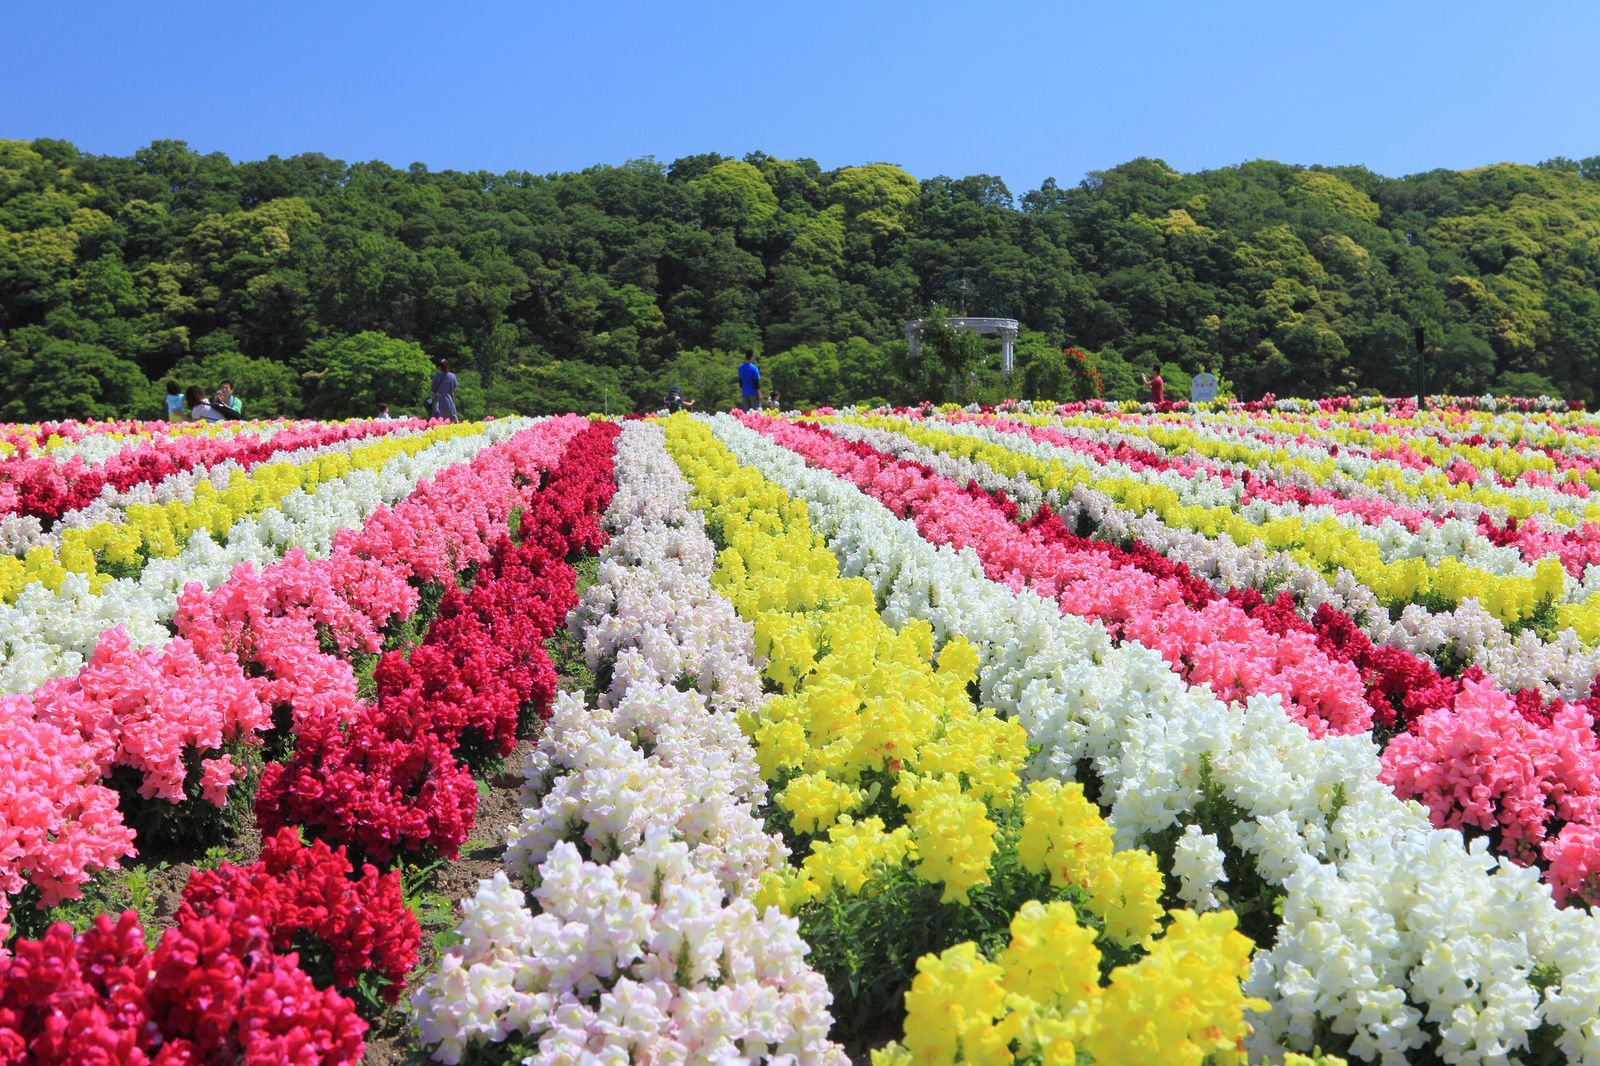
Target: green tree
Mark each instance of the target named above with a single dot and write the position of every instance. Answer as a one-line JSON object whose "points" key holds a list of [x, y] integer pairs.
{"points": [[708, 377], [804, 376], [736, 195], [362, 371], [558, 387], [67, 379]]}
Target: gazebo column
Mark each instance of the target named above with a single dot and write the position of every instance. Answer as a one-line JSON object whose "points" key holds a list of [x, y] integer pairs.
{"points": [[1007, 360]]}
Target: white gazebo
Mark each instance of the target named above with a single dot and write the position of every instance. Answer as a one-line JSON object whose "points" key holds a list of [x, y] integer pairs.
{"points": [[1004, 328]]}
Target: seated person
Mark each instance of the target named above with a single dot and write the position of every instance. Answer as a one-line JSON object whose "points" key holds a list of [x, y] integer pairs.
{"points": [[200, 408]]}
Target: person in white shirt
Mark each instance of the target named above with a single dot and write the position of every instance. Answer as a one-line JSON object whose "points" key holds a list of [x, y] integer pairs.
{"points": [[383, 413], [200, 408]]}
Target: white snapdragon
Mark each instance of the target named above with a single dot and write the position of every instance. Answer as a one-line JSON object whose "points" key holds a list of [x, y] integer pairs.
{"points": [[1197, 863], [645, 947]]}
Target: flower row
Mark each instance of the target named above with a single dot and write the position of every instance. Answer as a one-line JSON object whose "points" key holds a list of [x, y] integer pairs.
{"points": [[350, 928], [47, 487], [19, 533], [1518, 771], [248, 649], [1454, 638], [623, 925], [1404, 573], [107, 550]]}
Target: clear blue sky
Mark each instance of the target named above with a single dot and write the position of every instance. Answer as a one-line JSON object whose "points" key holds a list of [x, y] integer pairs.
{"points": [[1023, 90]]}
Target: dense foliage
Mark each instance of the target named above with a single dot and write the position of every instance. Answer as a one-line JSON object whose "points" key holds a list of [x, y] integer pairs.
{"points": [[607, 286]]}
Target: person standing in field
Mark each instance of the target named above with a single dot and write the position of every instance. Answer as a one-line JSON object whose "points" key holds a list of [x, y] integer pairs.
{"points": [[383, 413], [750, 384], [1158, 388], [443, 392], [177, 407]]}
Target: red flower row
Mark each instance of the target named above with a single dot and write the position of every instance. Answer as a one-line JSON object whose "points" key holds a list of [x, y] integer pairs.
{"points": [[392, 779]]}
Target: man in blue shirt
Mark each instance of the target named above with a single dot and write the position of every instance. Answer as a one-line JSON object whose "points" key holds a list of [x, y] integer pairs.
{"points": [[750, 384]]}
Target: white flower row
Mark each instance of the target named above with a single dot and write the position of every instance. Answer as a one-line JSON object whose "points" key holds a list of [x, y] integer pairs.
{"points": [[640, 942], [1391, 930], [47, 634], [18, 533], [1560, 667]]}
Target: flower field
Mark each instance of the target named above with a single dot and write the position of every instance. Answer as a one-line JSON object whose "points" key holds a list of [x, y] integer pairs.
{"points": [[1039, 734]]}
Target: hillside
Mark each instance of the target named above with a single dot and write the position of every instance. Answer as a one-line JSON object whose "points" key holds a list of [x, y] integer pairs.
{"points": [[571, 290]]}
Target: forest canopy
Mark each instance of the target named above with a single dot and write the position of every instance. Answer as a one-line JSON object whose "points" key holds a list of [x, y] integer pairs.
{"points": [[321, 287]]}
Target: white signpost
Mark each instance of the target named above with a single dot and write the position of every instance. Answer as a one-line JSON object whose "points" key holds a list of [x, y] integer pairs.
{"points": [[1203, 388]]}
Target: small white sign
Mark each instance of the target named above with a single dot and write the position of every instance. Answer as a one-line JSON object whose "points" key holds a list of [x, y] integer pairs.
{"points": [[1203, 388]]}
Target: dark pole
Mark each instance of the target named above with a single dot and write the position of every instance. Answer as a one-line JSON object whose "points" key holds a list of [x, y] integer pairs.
{"points": [[1422, 365]]}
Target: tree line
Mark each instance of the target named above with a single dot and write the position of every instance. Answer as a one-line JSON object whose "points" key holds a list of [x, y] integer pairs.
{"points": [[323, 288]]}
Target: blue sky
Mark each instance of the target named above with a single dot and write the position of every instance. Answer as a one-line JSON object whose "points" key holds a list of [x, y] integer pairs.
{"points": [[1023, 90]]}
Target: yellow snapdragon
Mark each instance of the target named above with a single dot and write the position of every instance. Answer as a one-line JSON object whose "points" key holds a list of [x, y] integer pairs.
{"points": [[1064, 835], [954, 835], [1181, 1004]]}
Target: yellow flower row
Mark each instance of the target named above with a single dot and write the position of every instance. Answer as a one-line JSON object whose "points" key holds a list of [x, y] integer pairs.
{"points": [[864, 710], [151, 531], [1323, 544]]}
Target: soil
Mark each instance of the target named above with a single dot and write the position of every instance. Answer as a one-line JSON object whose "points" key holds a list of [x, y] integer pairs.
{"points": [[171, 873], [391, 1041]]}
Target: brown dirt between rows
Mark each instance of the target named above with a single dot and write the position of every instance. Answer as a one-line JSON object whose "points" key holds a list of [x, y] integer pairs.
{"points": [[166, 885], [392, 1041]]}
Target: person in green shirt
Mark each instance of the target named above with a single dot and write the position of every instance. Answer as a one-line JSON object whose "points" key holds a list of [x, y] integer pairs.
{"points": [[224, 397]]}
